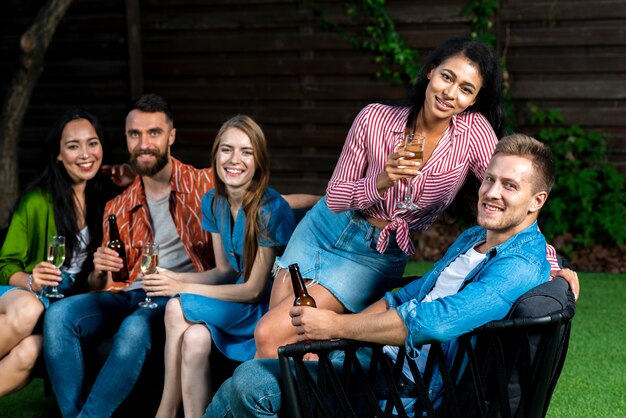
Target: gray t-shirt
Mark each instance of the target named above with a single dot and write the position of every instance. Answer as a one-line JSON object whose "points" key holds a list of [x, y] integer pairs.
{"points": [[172, 253]]}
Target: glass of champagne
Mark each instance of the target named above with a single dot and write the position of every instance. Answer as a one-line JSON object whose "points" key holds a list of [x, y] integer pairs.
{"points": [[415, 144], [56, 256], [149, 263]]}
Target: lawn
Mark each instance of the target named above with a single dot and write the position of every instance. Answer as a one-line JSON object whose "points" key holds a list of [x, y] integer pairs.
{"points": [[593, 383]]}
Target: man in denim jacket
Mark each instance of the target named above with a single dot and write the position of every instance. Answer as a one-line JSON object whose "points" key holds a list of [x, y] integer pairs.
{"points": [[479, 278]]}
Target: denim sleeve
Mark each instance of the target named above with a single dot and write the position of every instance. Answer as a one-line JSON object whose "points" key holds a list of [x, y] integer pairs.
{"points": [[489, 297], [409, 292]]}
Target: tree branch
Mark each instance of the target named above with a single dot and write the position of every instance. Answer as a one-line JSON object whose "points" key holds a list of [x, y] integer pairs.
{"points": [[33, 46]]}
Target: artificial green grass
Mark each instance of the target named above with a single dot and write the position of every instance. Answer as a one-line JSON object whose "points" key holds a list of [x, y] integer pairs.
{"points": [[29, 402], [593, 382]]}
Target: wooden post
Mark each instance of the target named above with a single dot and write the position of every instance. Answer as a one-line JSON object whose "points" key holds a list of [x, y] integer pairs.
{"points": [[135, 57]]}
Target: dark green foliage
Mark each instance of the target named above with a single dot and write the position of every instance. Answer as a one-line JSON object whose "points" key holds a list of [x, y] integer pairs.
{"points": [[482, 13], [372, 29], [588, 200]]}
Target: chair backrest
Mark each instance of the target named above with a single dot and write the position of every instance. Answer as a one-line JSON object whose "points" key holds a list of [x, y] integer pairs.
{"points": [[506, 368]]}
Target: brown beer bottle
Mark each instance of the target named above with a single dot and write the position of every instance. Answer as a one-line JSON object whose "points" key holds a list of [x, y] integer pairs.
{"points": [[299, 289], [118, 245]]}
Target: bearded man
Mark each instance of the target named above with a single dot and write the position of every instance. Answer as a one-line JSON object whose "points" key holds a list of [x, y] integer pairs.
{"points": [[161, 205]]}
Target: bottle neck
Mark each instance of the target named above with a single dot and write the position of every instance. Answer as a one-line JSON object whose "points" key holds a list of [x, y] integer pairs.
{"points": [[114, 233], [297, 282]]}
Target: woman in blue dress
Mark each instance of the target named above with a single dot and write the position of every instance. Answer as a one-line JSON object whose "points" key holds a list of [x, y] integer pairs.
{"points": [[250, 224]]}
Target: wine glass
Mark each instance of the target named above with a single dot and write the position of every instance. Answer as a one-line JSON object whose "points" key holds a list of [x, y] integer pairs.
{"points": [[415, 144], [56, 256], [149, 264]]}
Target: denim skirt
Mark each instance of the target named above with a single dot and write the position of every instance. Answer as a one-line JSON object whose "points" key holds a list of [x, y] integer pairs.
{"points": [[338, 251]]}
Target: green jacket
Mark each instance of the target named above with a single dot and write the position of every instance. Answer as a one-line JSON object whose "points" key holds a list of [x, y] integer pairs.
{"points": [[26, 242]]}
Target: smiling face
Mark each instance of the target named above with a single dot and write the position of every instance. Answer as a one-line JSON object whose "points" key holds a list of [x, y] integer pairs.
{"points": [[80, 150], [453, 87], [234, 161], [507, 200], [149, 137]]}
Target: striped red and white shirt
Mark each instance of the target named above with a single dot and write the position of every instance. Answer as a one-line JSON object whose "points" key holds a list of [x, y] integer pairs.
{"points": [[189, 185], [376, 132]]}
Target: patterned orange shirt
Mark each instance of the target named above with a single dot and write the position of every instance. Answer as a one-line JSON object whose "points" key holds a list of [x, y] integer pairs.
{"points": [[189, 184]]}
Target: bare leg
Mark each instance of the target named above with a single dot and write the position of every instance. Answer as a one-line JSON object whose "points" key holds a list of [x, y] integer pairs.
{"points": [[196, 370], [175, 327], [16, 366], [19, 312], [275, 329], [281, 288]]}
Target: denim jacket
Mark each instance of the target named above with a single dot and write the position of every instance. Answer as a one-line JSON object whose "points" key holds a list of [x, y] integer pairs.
{"points": [[508, 271]]}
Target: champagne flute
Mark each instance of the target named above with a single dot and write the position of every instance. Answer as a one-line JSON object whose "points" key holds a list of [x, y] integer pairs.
{"points": [[415, 144], [149, 263], [56, 256]]}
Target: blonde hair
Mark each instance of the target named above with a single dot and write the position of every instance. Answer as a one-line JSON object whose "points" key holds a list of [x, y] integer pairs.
{"points": [[258, 185], [537, 152]]}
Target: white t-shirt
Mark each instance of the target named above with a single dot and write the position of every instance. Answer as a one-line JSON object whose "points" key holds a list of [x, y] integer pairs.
{"points": [[80, 252], [448, 283]]}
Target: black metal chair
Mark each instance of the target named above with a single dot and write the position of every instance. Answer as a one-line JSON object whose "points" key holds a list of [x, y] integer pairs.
{"points": [[506, 368]]}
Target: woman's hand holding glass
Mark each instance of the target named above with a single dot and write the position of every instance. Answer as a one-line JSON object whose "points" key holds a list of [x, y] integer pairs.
{"points": [[56, 257], [400, 165], [413, 147], [45, 274], [162, 283]]}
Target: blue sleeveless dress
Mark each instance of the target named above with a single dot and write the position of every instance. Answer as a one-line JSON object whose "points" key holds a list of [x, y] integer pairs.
{"points": [[232, 323]]}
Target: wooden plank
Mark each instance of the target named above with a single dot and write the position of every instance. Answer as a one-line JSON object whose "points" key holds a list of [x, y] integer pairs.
{"points": [[266, 115], [598, 89], [135, 55], [271, 16], [299, 185], [244, 67], [238, 42], [81, 91], [204, 43], [578, 35], [276, 90], [205, 19], [86, 69], [282, 163], [586, 115], [319, 138], [521, 62], [550, 11], [236, 3]]}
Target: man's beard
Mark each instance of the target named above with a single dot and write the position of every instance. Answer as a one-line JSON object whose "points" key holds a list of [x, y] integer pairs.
{"points": [[161, 161]]}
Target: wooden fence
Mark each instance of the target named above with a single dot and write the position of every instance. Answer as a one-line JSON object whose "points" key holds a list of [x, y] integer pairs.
{"points": [[272, 59]]}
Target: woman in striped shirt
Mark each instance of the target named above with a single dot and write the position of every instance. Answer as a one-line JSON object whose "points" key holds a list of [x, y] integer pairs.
{"points": [[354, 244]]}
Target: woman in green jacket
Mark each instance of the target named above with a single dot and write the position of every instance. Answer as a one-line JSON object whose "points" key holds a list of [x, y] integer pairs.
{"points": [[67, 199]]}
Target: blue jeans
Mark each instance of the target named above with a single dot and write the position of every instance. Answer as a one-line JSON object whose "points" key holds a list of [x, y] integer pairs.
{"points": [[254, 390], [70, 321]]}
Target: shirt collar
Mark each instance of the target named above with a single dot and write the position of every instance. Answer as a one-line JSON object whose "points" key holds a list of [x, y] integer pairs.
{"points": [[460, 123], [520, 238], [138, 195]]}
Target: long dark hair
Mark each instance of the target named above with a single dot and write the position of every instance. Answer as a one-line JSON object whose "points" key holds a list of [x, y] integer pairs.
{"points": [[489, 102], [57, 183], [252, 200]]}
